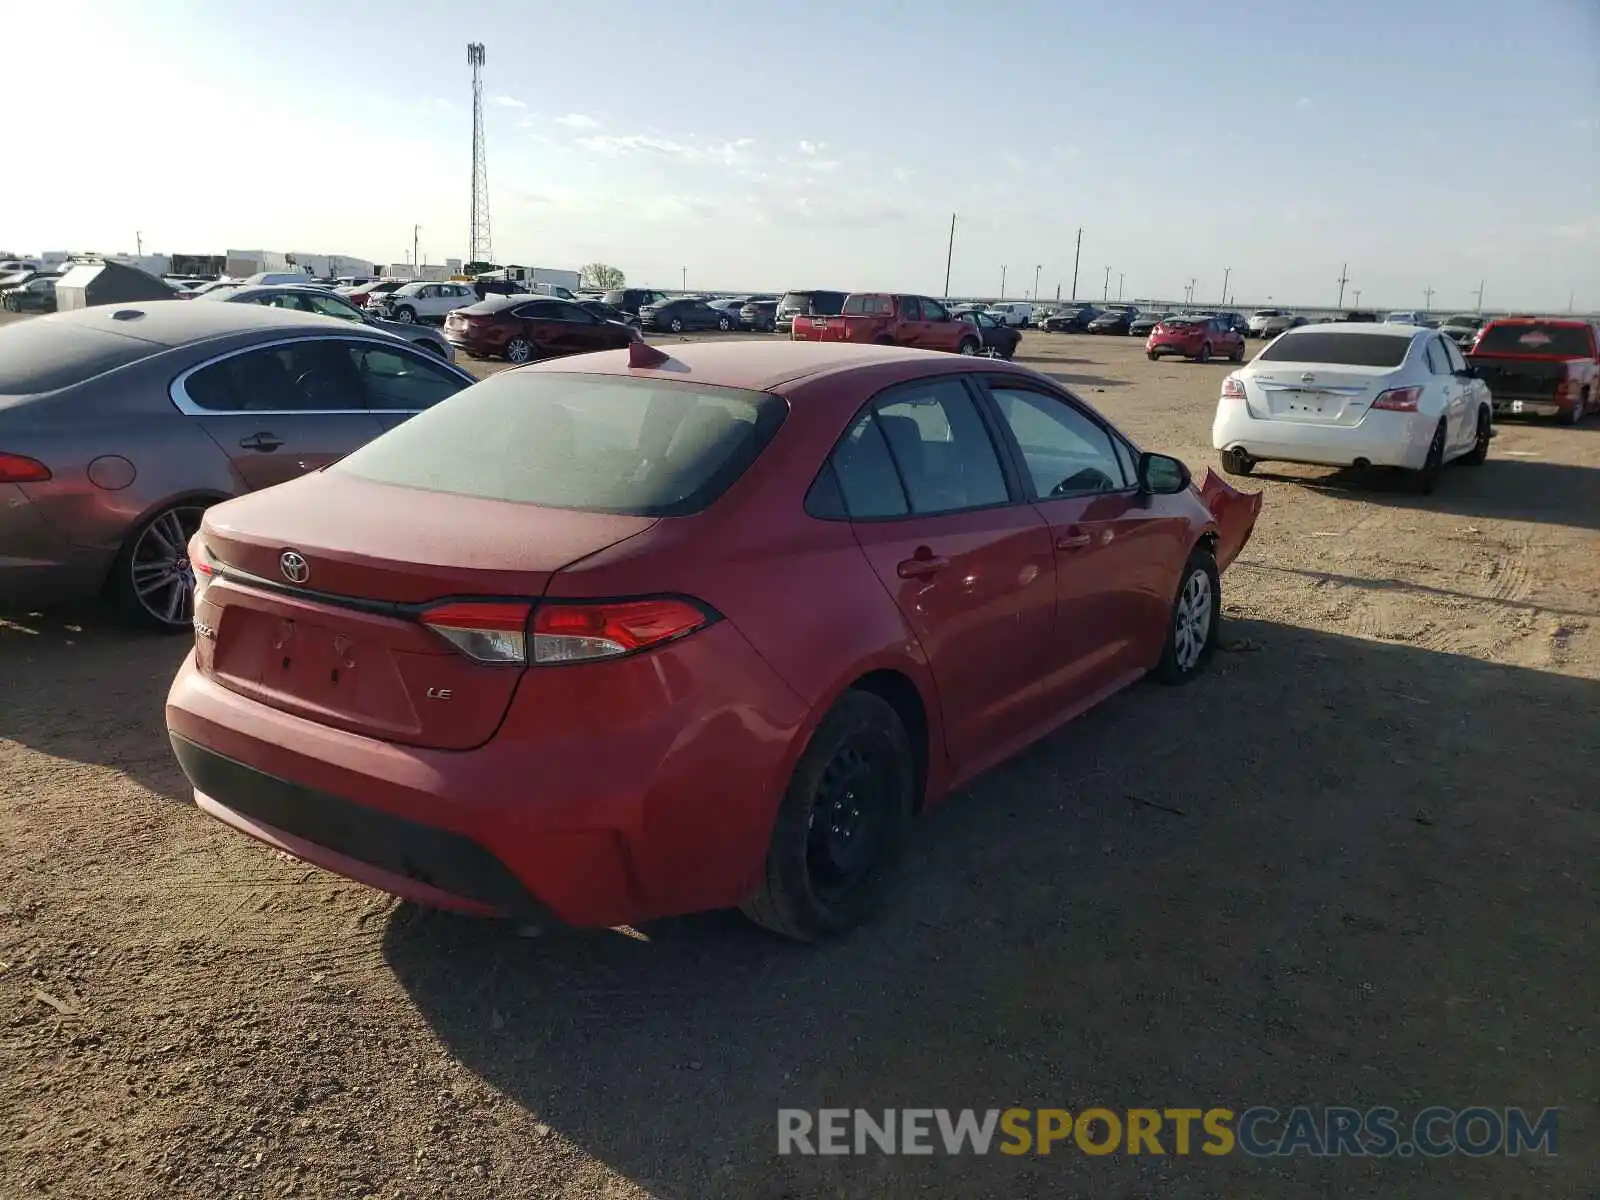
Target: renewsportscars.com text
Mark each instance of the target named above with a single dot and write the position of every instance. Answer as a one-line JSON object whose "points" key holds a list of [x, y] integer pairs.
{"points": [[1259, 1132]]}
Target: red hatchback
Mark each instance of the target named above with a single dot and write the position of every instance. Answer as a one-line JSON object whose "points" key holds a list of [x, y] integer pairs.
{"points": [[1199, 338], [523, 328], [627, 636]]}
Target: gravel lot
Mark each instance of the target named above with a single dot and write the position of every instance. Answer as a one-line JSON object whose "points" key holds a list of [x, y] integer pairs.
{"points": [[1355, 864]]}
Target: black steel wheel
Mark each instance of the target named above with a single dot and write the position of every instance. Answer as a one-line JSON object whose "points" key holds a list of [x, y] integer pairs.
{"points": [[841, 825]]}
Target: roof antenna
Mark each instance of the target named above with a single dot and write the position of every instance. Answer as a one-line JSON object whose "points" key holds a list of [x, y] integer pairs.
{"points": [[643, 354]]}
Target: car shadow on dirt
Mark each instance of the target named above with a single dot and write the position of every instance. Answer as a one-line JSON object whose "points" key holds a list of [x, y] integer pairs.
{"points": [[75, 683], [1332, 871], [1094, 381], [1514, 489]]}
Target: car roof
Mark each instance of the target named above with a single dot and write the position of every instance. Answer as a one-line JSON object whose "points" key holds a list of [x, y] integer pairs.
{"points": [[763, 366], [168, 323]]}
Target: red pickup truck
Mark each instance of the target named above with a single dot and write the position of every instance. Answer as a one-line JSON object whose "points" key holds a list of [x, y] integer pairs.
{"points": [[1543, 366], [885, 319]]}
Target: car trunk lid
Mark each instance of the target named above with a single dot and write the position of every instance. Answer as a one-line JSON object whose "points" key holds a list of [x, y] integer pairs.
{"points": [[326, 619], [1520, 378], [1314, 393]]}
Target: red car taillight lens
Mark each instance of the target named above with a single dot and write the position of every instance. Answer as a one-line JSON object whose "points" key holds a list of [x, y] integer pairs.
{"points": [[1399, 399], [564, 633], [204, 568], [1233, 388], [19, 468], [485, 631]]}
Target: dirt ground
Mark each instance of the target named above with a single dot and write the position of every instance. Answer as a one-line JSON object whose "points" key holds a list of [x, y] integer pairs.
{"points": [[1353, 865]]}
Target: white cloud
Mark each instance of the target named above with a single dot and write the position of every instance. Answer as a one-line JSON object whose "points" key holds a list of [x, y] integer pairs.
{"points": [[813, 147], [1303, 102], [578, 121], [728, 154], [509, 102]]}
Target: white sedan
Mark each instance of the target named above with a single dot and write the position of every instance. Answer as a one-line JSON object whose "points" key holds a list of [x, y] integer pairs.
{"points": [[1355, 395]]}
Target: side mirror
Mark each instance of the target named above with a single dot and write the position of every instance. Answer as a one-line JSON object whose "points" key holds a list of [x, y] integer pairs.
{"points": [[1467, 373], [1162, 475]]}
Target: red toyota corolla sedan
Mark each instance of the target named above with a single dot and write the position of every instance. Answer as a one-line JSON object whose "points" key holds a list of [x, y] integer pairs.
{"points": [[625, 635]]}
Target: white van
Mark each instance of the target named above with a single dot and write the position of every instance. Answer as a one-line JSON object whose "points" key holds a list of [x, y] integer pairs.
{"points": [[1012, 312]]}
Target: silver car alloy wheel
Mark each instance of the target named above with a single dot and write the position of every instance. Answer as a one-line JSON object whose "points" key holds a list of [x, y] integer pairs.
{"points": [[1192, 628], [518, 350], [159, 568]]}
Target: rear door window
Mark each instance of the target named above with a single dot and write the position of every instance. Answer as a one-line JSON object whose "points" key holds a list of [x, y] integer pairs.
{"points": [[941, 448], [311, 375], [398, 381]]}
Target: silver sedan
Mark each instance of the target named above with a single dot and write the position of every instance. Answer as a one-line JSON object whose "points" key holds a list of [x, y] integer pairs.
{"points": [[302, 298]]}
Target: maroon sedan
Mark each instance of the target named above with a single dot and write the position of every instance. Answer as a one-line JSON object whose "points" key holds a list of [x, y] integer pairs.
{"points": [[626, 636], [1199, 338], [525, 328]]}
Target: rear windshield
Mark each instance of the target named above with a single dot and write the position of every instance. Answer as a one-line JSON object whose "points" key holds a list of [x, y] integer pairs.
{"points": [[1184, 320], [43, 355], [1464, 322], [1560, 340], [821, 304], [597, 443], [1343, 349], [1267, 312], [493, 303]]}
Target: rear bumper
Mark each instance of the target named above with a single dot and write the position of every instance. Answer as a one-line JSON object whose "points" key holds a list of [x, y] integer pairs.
{"points": [[491, 342], [1181, 349], [37, 565], [1383, 439], [1516, 406], [611, 794]]}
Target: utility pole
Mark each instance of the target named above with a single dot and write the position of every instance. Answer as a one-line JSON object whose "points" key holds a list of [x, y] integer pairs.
{"points": [[1481, 282], [1344, 278], [683, 279], [1002, 283], [1037, 268], [1058, 293], [1569, 300], [138, 243], [1427, 300], [1075, 255], [416, 259], [1193, 283], [1226, 271], [949, 254], [1105, 292], [1121, 276], [1358, 297]]}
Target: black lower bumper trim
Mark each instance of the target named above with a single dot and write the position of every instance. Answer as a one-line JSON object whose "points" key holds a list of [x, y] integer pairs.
{"points": [[437, 857]]}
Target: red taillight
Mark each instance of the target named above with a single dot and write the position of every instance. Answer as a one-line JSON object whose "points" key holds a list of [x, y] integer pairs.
{"points": [[1398, 399], [1233, 388], [204, 568], [565, 633], [1567, 389], [486, 631], [19, 468]]}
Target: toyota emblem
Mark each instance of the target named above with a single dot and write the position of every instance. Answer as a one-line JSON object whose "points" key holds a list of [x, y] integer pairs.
{"points": [[295, 568]]}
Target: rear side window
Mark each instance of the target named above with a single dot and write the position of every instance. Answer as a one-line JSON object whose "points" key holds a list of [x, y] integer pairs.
{"points": [[399, 382], [865, 473], [1557, 340], [867, 306], [1343, 349], [590, 442], [41, 356]]}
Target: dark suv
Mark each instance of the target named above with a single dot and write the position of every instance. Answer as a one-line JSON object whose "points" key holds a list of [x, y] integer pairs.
{"points": [[631, 300], [807, 304]]}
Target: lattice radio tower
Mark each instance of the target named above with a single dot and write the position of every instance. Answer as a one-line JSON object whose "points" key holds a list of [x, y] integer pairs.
{"points": [[482, 244]]}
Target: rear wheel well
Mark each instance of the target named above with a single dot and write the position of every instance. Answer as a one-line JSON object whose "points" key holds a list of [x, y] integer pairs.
{"points": [[1209, 541], [902, 695]]}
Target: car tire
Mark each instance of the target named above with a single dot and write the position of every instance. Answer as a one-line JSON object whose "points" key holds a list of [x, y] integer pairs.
{"points": [[1424, 479], [855, 779], [724, 325], [519, 350], [967, 346], [676, 324], [406, 315], [1237, 462], [151, 584], [1192, 630], [1205, 353], [1579, 409], [1238, 352], [1480, 446], [1151, 355]]}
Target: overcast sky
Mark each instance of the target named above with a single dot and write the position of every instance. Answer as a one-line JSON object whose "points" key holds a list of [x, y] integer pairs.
{"points": [[826, 143]]}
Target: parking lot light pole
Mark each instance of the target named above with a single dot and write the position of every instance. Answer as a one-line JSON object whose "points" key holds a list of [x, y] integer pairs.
{"points": [[1037, 268], [1002, 283], [1226, 271], [949, 254], [1075, 256], [1105, 292], [1121, 278], [683, 279]]}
